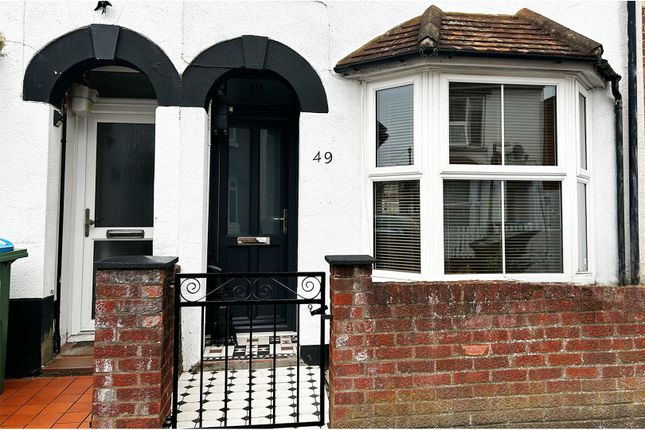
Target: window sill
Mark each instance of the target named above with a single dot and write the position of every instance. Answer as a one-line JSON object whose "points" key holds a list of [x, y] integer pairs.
{"points": [[391, 276]]}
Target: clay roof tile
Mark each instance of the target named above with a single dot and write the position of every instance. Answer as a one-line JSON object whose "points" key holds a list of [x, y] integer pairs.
{"points": [[526, 33]]}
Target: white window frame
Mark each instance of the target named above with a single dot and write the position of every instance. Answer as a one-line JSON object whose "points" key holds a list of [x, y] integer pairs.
{"points": [[417, 167], [394, 173], [431, 167], [585, 176]]}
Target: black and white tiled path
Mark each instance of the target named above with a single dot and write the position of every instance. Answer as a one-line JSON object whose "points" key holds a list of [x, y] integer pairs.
{"points": [[258, 408], [261, 345]]}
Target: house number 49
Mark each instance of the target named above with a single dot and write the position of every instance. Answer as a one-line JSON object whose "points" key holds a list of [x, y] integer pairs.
{"points": [[326, 157]]}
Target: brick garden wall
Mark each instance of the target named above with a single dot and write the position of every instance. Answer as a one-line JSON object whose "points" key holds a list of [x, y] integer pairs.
{"points": [[133, 349], [484, 353]]}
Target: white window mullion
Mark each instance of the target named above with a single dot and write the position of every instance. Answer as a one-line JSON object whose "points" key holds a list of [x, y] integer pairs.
{"points": [[502, 131], [423, 150], [437, 158], [503, 222]]}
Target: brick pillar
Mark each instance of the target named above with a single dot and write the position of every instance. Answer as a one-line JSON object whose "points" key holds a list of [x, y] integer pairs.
{"points": [[133, 347], [351, 277]]}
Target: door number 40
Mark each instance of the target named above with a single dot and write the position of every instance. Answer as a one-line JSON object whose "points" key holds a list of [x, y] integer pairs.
{"points": [[326, 157]]}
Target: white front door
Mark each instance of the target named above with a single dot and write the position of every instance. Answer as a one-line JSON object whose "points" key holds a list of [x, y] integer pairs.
{"points": [[113, 202]]}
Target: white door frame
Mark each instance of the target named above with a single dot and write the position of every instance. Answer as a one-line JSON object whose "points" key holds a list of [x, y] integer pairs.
{"points": [[79, 194]]}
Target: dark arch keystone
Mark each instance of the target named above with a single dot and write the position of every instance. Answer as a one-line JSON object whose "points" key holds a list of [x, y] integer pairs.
{"points": [[55, 67], [253, 53]]}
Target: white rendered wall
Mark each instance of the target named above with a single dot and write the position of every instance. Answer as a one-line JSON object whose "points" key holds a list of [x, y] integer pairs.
{"points": [[640, 102], [331, 203]]}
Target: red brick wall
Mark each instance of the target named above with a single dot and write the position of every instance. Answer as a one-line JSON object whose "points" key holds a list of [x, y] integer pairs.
{"points": [[133, 348], [484, 353]]}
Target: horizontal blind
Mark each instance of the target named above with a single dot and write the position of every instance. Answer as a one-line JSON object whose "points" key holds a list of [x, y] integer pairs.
{"points": [[530, 125], [475, 132], [533, 226], [397, 232], [472, 215], [395, 127]]}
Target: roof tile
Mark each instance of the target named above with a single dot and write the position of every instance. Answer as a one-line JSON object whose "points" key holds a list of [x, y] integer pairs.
{"points": [[525, 33]]}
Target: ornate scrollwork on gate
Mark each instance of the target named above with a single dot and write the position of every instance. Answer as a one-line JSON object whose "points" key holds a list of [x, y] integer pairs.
{"points": [[190, 289], [248, 288]]}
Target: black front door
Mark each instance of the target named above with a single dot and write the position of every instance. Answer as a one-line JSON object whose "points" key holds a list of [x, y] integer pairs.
{"points": [[253, 210]]}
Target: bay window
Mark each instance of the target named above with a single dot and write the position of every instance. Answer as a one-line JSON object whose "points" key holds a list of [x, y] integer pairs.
{"points": [[478, 177]]}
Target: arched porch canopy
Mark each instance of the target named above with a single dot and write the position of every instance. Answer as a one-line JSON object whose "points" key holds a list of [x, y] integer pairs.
{"points": [[55, 67], [252, 53]]}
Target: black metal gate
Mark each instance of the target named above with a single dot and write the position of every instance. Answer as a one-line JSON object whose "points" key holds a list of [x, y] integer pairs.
{"points": [[246, 375]]}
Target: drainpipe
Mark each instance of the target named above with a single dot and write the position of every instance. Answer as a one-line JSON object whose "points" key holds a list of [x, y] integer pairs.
{"points": [[61, 203], [605, 70], [634, 247]]}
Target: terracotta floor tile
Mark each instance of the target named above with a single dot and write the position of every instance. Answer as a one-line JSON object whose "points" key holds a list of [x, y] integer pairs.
{"points": [[51, 402], [72, 417], [48, 413], [62, 381], [28, 391], [84, 380], [87, 397], [41, 399], [8, 392], [53, 389], [72, 389], [15, 400], [45, 420], [14, 383], [18, 420], [57, 406], [8, 409], [9, 426], [30, 409], [81, 407], [36, 383], [67, 397]]}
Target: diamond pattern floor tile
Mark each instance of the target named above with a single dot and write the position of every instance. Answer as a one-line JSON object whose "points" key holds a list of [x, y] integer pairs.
{"points": [[260, 346], [239, 400]]}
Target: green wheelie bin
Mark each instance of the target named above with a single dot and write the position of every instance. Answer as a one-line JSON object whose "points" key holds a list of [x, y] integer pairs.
{"points": [[6, 258]]}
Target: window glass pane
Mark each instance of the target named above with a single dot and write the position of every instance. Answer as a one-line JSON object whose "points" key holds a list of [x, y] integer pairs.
{"points": [[530, 125], [582, 123], [270, 181], [533, 226], [475, 132], [472, 215], [583, 263], [397, 242], [239, 180], [394, 127], [125, 164]]}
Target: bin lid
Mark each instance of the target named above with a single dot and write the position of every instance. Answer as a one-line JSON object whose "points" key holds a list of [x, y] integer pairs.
{"points": [[12, 255], [5, 245]]}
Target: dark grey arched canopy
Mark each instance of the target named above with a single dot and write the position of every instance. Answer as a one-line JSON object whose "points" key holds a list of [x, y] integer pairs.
{"points": [[54, 68], [253, 53]]}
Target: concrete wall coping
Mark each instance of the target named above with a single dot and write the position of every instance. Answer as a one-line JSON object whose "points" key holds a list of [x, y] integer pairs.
{"points": [[349, 260], [136, 262]]}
